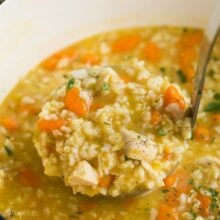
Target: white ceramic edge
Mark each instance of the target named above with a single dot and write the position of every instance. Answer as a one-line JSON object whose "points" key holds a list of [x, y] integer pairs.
{"points": [[30, 30]]}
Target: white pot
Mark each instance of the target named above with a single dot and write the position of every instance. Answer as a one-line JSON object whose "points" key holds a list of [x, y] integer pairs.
{"points": [[31, 30]]}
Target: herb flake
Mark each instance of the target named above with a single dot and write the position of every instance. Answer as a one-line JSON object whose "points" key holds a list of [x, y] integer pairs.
{"points": [[105, 86], [70, 84], [165, 190], [8, 151], [181, 76], [161, 132], [217, 96], [212, 107]]}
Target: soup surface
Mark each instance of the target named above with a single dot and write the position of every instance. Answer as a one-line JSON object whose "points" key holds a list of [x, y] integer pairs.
{"points": [[191, 192]]}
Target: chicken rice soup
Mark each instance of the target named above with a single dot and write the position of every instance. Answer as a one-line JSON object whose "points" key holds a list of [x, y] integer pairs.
{"points": [[108, 116]]}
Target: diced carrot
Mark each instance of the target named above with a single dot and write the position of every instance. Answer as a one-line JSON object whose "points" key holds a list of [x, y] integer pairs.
{"points": [[167, 156], [167, 213], [90, 59], [170, 180], [74, 103], [202, 133], [205, 204], [189, 72], [125, 78], [50, 125], [28, 178], [216, 117], [152, 52], [9, 123], [155, 117], [172, 95], [179, 180], [30, 109], [172, 197], [51, 62], [125, 43], [187, 56], [191, 39], [106, 181], [183, 183]]}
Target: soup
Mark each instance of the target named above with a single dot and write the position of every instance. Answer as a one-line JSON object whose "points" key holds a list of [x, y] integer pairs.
{"points": [[190, 192]]}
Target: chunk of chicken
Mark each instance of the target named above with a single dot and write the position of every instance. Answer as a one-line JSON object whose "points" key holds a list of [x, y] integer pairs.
{"points": [[138, 147], [84, 174]]}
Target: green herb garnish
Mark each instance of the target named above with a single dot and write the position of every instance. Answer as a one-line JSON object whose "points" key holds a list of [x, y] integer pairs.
{"points": [[217, 96], [191, 181], [161, 132], [193, 214], [70, 84], [213, 192], [211, 73], [213, 107], [181, 76], [105, 87], [165, 190], [8, 151]]}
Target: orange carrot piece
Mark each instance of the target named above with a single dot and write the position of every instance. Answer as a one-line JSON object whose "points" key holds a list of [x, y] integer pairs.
{"points": [[187, 56], [205, 204], [172, 197], [106, 181], [191, 39], [28, 178], [90, 59], [179, 180], [125, 43], [50, 125], [9, 123], [152, 52], [51, 62], [167, 213], [155, 117], [30, 109], [167, 156], [125, 78], [74, 103], [172, 95], [170, 180], [183, 183], [202, 133]]}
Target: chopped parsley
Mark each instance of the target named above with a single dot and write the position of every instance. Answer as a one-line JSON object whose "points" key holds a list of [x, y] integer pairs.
{"points": [[191, 181], [212, 107], [181, 76], [70, 84], [193, 214], [165, 190], [217, 96], [211, 73], [105, 86], [8, 151], [161, 132]]}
